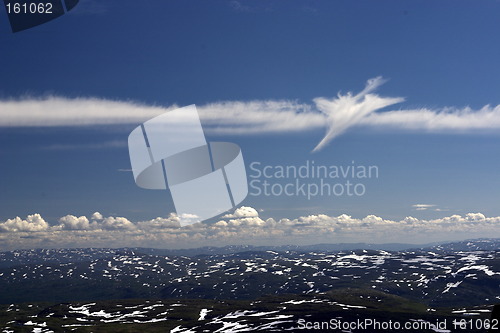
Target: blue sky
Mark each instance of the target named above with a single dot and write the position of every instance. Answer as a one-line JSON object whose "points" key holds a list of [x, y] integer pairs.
{"points": [[441, 57]]}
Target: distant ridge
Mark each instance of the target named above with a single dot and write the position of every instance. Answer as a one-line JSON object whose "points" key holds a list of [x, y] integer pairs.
{"points": [[480, 244]]}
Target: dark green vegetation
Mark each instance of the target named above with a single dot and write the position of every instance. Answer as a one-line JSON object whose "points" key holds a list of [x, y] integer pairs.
{"points": [[266, 314], [133, 290]]}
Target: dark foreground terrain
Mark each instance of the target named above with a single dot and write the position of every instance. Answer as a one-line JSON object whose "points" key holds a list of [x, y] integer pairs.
{"points": [[370, 311], [444, 288]]}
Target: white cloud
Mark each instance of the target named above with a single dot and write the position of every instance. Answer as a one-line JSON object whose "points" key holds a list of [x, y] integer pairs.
{"points": [[336, 114], [98, 145], [475, 217], [449, 119], [32, 223], [243, 211], [172, 221], [97, 221], [58, 111], [244, 222], [422, 206], [344, 111], [246, 228], [96, 216], [117, 223], [75, 223], [252, 117]]}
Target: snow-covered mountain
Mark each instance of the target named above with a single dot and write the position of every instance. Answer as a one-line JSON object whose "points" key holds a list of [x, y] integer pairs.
{"points": [[461, 277]]}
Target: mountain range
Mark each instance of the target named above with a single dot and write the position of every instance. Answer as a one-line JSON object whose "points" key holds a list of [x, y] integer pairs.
{"points": [[246, 287]]}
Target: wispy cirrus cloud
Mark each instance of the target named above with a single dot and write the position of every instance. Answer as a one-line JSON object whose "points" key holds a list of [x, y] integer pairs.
{"points": [[251, 117], [53, 111], [344, 111], [98, 145], [449, 119], [422, 206], [337, 115]]}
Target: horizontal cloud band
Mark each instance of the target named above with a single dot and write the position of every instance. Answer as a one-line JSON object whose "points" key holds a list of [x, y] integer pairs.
{"points": [[337, 114], [234, 117], [243, 226]]}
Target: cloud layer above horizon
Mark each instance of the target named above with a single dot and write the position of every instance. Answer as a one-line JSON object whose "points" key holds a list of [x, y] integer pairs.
{"points": [[335, 115], [243, 226]]}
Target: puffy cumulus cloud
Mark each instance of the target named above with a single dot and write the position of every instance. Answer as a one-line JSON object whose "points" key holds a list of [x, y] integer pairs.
{"points": [[243, 226], [188, 216], [347, 227], [221, 224], [96, 216], [185, 218], [72, 222], [243, 217], [373, 219], [32, 223], [476, 217], [117, 223], [448, 219], [246, 222], [97, 221], [243, 211], [320, 219], [410, 220], [172, 221]]}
